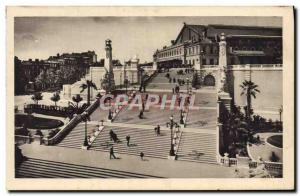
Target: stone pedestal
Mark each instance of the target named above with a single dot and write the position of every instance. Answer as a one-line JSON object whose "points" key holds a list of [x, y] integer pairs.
{"points": [[226, 160]]}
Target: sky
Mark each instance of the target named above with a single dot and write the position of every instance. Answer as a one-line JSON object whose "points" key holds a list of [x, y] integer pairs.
{"points": [[41, 37]]}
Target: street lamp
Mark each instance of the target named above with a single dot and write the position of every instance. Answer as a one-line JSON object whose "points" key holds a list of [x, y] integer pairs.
{"points": [[187, 85], [280, 113], [172, 124], [126, 83], [141, 70], [181, 117], [85, 118]]}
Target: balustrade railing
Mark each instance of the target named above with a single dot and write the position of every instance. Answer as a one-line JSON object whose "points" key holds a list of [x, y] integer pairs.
{"points": [[256, 66]]}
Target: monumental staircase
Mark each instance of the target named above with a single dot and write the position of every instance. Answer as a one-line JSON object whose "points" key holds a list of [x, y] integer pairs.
{"points": [[37, 168]]}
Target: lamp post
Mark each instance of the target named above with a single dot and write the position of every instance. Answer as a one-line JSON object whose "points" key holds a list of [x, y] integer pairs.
{"points": [[181, 117], [187, 85], [141, 70], [85, 118], [172, 124], [280, 113], [126, 83]]}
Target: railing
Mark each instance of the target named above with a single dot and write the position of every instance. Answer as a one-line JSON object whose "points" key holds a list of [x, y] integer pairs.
{"points": [[73, 123], [47, 110], [256, 66], [65, 131], [92, 107], [252, 164], [273, 167], [233, 161]]}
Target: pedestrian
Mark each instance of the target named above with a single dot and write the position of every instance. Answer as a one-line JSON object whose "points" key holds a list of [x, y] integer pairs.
{"points": [[142, 156], [115, 138], [141, 115], [111, 134], [155, 130], [158, 130], [111, 153], [174, 80], [128, 139], [173, 90]]}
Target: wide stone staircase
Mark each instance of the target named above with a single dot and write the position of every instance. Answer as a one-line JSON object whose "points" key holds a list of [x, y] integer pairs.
{"points": [[37, 168], [141, 140], [197, 147], [75, 138]]}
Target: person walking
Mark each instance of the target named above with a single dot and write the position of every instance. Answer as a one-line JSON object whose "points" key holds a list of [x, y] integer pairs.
{"points": [[111, 153], [111, 134], [128, 139], [158, 130], [142, 156], [141, 115]]}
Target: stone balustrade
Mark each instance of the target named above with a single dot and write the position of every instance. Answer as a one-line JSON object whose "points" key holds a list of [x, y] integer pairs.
{"points": [[255, 67]]}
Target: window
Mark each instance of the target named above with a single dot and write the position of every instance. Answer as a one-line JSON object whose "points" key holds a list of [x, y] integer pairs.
{"points": [[193, 61], [211, 61], [207, 49], [203, 61]]}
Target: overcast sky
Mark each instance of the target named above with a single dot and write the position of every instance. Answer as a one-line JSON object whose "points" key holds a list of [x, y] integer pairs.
{"points": [[41, 37]]}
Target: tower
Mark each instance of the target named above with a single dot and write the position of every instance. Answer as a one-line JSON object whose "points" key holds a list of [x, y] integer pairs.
{"points": [[222, 63], [108, 82], [108, 56]]}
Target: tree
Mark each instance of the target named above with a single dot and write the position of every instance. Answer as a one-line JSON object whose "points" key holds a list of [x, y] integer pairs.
{"points": [[77, 99], [55, 98], [249, 89], [42, 80], [37, 97], [88, 85]]}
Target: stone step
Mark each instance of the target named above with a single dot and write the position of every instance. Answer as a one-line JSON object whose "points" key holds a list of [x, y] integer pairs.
{"points": [[37, 168]]}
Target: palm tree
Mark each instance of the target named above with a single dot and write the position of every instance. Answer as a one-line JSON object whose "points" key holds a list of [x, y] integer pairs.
{"points": [[37, 97], [55, 98], [249, 89], [88, 86], [77, 99]]}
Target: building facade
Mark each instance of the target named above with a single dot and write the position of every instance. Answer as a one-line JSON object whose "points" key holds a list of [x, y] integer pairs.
{"points": [[197, 45], [30, 69]]}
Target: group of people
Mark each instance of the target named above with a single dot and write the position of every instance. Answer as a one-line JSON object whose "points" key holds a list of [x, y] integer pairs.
{"points": [[114, 137]]}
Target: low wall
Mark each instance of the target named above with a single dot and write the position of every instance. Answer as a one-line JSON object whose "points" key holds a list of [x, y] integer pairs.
{"points": [[73, 123]]}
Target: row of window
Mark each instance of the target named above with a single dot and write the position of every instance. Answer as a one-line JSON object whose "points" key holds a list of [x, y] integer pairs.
{"points": [[189, 51], [205, 61]]}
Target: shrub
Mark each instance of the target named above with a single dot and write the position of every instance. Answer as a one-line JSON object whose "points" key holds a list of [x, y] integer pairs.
{"points": [[180, 72], [38, 132]]}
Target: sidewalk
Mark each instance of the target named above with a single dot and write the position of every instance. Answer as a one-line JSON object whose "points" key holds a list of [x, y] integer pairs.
{"points": [[151, 166]]}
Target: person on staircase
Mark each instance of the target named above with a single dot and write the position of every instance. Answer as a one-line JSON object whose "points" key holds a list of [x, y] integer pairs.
{"points": [[111, 153], [128, 140]]}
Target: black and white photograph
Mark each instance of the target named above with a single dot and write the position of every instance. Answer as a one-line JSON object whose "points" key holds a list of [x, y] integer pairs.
{"points": [[154, 97]]}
